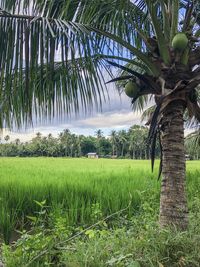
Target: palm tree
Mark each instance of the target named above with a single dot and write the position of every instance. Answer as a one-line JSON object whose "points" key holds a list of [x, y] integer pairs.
{"points": [[65, 140], [113, 140], [122, 140], [99, 135], [55, 55], [38, 135], [134, 141], [50, 136], [7, 138], [78, 146], [17, 141]]}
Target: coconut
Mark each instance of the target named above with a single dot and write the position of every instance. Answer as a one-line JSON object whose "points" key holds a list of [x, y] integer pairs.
{"points": [[131, 89], [180, 41]]}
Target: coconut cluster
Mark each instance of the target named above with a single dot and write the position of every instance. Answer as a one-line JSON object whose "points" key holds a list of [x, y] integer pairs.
{"points": [[179, 43]]}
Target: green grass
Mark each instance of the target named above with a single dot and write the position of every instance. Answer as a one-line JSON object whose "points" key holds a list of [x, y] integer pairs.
{"points": [[74, 185]]}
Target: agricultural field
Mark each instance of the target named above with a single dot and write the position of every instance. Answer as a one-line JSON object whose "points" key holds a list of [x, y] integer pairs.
{"points": [[73, 184], [76, 187]]}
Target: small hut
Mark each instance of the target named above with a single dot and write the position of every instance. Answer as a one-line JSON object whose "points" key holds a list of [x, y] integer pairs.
{"points": [[92, 155]]}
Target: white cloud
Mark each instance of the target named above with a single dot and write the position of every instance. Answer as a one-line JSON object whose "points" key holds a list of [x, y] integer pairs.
{"points": [[107, 121], [113, 120]]}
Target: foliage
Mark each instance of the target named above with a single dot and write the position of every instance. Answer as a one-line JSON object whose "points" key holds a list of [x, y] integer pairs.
{"points": [[192, 144], [33, 84], [133, 241], [62, 184], [57, 54], [80, 194], [119, 144]]}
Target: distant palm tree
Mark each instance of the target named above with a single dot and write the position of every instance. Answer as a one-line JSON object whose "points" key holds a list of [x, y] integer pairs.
{"points": [[50, 136], [7, 138], [38, 135], [133, 140], [65, 140], [17, 141], [122, 140], [99, 135], [52, 58], [113, 140]]}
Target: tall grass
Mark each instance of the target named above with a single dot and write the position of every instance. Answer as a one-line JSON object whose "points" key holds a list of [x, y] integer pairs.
{"points": [[74, 185]]}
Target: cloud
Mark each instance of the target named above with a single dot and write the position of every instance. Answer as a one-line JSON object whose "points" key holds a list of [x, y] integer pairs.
{"points": [[106, 122], [116, 114], [121, 119], [110, 119]]}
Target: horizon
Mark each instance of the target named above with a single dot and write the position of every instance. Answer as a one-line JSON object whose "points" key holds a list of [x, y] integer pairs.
{"points": [[116, 115]]}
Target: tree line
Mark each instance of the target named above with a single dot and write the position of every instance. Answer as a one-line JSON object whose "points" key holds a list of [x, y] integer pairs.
{"points": [[131, 143], [120, 144]]}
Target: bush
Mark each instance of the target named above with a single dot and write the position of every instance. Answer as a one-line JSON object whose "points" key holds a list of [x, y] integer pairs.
{"points": [[121, 241]]}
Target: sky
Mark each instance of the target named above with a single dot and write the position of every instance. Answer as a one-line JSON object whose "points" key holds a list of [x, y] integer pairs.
{"points": [[116, 114]]}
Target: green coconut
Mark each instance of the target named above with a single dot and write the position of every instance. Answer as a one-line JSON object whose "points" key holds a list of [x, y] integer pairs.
{"points": [[180, 41], [131, 89]]}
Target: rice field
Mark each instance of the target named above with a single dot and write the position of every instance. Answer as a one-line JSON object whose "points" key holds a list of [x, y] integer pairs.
{"points": [[75, 185]]}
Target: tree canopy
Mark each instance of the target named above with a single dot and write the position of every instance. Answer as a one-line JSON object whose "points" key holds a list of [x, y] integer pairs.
{"points": [[55, 53]]}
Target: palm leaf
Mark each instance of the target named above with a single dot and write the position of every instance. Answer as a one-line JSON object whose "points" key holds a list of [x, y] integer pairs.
{"points": [[64, 95], [131, 62], [131, 48], [122, 78], [161, 158], [162, 43], [153, 131], [147, 114], [37, 34], [153, 147], [139, 103], [175, 17], [166, 20], [136, 74]]}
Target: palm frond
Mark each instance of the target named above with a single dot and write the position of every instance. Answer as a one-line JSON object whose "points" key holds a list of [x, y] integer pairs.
{"points": [[144, 58], [140, 103], [128, 70], [154, 132], [162, 43], [36, 34], [122, 78], [147, 114], [192, 141], [74, 88], [175, 18]]}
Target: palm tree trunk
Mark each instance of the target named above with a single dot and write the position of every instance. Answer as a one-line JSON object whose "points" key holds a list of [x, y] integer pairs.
{"points": [[173, 205], [122, 152], [113, 150]]}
